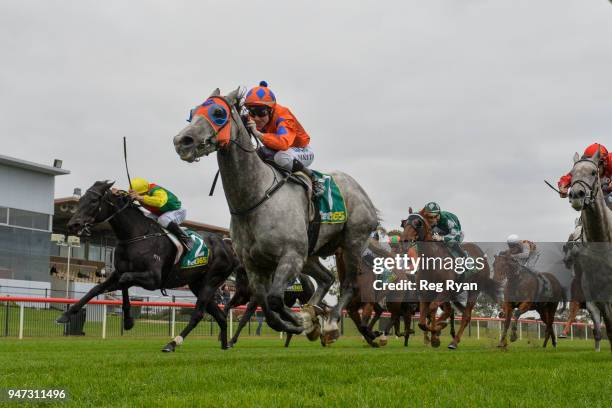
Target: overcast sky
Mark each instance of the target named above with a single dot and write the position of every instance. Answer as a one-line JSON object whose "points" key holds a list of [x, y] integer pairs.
{"points": [[471, 103]]}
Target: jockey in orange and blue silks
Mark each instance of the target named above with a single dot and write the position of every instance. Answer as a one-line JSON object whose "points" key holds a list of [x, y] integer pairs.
{"points": [[284, 139]]}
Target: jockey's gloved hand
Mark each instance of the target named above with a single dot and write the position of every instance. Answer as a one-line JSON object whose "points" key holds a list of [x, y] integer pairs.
{"points": [[253, 129], [437, 237], [563, 191]]}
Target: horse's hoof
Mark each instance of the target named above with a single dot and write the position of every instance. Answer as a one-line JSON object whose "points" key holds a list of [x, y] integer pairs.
{"points": [[562, 336], [435, 343], [128, 324], [452, 346], [513, 337], [170, 347], [231, 344], [63, 319]]}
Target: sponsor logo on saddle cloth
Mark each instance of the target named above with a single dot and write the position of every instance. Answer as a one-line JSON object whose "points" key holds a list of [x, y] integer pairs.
{"points": [[331, 203], [198, 256], [296, 286]]}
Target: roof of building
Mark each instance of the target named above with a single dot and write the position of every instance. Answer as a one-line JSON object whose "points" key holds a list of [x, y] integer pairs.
{"points": [[28, 165]]}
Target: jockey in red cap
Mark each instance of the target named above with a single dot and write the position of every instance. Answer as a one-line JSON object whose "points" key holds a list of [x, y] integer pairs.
{"points": [[284, 139], [605, 170]]}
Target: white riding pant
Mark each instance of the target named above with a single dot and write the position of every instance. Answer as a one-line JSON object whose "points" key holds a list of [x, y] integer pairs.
{"points": [[177, 216], [284, 158]]}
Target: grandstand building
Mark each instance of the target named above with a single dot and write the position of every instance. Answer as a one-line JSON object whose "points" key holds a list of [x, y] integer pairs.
{"points": [[26, 213]]}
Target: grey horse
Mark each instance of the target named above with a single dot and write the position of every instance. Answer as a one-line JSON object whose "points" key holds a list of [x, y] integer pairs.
{"points": [[595, 258], [269, 220]]}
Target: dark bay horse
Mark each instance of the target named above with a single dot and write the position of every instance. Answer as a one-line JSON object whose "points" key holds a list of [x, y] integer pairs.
{"points": [[145, 257], [244, 296], [523, 292], [418, 234]]}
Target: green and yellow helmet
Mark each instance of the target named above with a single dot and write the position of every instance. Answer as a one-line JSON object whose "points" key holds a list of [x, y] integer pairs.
{"points": [[139, 185], [432, 207]]}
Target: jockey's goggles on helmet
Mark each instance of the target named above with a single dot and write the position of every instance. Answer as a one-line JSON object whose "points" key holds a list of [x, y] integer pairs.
{"points": [[259, 111]]}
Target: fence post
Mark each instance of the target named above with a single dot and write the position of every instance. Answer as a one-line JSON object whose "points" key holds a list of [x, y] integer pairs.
{"points": [[500, 329], [520, 330], [538, 330], [342, 323], [478, 329], [21, 320], [586, 331], [572, 331], [6, 320], [231, 323], [103, 321], [173, 324]]}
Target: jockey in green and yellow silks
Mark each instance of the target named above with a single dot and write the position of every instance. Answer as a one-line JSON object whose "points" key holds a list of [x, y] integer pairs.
{"points": [[164, 207], [284, 139]]}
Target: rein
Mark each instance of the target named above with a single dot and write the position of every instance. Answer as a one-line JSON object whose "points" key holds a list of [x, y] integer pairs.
{"points": [[276, 183], [128, 203]]}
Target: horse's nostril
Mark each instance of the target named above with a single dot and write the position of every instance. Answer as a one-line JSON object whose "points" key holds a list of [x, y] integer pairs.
{"points": [[187, 141]]}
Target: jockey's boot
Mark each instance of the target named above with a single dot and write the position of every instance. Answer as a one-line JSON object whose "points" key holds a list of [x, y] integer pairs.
{"points": [[185, 239], [317, 186]]}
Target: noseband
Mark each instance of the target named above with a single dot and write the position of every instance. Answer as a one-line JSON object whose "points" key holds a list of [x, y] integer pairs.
{"points": [[590, 190]]}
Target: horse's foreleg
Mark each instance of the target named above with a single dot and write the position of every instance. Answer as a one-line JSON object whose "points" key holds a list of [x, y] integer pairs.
{"points": [[149, 280], [523, 308], [423, 314], [289, 266], [507, 307], [109, 285], [606, 313], [596, 317], [248, 313], [128, 321], [466, 317], [378, 311]]}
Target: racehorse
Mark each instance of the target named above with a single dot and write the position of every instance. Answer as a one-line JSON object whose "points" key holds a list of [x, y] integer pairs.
{"points": [[577, 299], [586, 196], [270, 217], [145, 257], [243, 295], [418, 235], [525, 284]]}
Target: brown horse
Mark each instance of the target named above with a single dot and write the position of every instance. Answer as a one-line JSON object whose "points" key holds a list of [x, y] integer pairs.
{"points": [[526, 285], [418, 234]]}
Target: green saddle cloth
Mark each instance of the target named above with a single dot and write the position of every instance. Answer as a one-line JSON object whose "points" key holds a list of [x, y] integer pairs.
{"points": [[198, 256], [331, 203]]}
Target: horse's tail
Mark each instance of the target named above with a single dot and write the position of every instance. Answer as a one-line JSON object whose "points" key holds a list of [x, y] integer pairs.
{"points": [[492, 288]]}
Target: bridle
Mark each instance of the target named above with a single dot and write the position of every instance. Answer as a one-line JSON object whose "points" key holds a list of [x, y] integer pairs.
{"points": [[103, 198], [277, 182], [590, 190]]}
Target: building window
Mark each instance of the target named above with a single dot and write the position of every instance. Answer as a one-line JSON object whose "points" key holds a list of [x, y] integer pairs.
{"points": [[29, 219], [3, 215]]}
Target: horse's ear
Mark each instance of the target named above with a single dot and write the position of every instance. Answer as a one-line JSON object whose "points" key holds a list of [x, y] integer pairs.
{"points": [[216, 92], [596, 156], [409, 210], [108, 184], [233, 96], [576, 157]]}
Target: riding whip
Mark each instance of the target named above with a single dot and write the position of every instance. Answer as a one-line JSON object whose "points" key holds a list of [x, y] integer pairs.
{"points": [[551, 186], [214, 184], [126, 163]]}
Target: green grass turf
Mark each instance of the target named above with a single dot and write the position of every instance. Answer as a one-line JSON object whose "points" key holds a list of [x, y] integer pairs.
{"points": [[132, 372]]}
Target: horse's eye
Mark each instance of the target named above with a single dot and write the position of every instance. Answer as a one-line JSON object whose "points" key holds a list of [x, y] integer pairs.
{"points": [[218, 114], [593, 173]]}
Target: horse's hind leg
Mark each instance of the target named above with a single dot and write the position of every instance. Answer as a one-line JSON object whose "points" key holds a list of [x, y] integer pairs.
{"points": [[213, 309], [109, 285], [248, 313], [596, 317], [323, 276], [507, 307], [571, 318], [128, 321], [606, 313], [288, 339]]}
